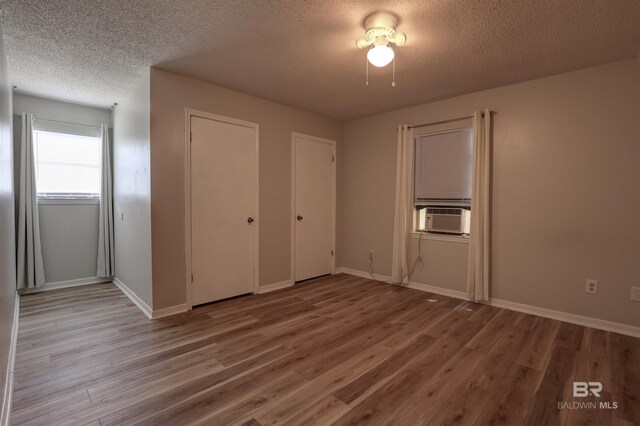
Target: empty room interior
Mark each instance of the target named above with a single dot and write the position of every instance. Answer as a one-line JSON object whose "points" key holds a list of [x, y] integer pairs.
{"points": [[320, 212]]}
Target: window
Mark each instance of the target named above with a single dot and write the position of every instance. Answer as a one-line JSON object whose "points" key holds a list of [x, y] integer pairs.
{"points": [[67, 166], [442, 173]]}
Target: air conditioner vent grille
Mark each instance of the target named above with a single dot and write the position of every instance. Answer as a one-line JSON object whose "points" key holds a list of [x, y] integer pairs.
{"points": [[442, 210]]}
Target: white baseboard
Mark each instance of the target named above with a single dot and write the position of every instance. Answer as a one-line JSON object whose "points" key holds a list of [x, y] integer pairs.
{"points": [[363, 274], [8, 387], [411, 284], [146, 309], [599, 324], [438, 290], [274, 286], [65, 284], [171, 310]]}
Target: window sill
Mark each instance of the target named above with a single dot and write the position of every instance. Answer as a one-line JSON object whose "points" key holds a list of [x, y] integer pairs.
{"points": [[63, 201], [440, 237]]}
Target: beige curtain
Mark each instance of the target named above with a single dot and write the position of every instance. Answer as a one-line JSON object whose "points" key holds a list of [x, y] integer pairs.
{"points": [[403, 222], [480, 244]]}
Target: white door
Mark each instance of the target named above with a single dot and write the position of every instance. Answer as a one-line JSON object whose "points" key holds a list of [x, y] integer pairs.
{"points": [[314, 206], [223, 185]]}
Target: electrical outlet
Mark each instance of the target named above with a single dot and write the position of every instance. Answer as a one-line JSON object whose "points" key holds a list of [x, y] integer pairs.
{"points": [[591, 287], [370, 254], [635, 294]]}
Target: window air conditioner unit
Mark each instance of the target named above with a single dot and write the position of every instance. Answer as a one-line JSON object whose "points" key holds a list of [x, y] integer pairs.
{"points": [[448, 220]]}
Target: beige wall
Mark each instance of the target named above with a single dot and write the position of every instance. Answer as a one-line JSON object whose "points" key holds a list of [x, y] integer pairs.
{"points": [[170, 95], [132, 190], [69, 237], [565, 185], [51, 109], [444, 263], [7, 225]]}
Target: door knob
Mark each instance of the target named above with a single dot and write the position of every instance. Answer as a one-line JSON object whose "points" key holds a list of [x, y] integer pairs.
{"points": [[249, 220], [299, 218]]}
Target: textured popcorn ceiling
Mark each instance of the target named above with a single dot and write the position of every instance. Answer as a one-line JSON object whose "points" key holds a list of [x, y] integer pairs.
{"points": [[302, 52]]}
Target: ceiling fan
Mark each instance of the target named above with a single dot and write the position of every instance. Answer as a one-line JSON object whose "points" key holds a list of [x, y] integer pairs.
{"points": [[380, 33]]}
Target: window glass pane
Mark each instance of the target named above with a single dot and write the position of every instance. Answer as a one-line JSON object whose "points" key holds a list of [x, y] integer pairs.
{"points": [[422, 219], [67, 164]]}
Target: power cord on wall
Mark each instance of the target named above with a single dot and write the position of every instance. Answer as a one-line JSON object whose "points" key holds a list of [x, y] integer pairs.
{"points": [[372, 272], [418, 262]]}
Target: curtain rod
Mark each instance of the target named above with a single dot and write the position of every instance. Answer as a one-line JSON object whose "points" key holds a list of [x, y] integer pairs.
{"points": [[451, 120], [62, 122]]}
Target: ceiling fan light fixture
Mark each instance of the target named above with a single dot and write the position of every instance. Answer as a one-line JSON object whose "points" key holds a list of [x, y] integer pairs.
{"points": [[380, 29], [381, 35], [380, 55]]}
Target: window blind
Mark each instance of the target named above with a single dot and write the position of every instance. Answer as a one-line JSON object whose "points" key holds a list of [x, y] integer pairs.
{"points": [[53, 126], [442, 172]]}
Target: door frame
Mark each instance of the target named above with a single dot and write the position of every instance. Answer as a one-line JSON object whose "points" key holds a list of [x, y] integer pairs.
{"points": [[294, 136], [191, 113]]}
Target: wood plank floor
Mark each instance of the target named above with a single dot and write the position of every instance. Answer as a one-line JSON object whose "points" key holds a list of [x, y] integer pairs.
{"points": [[339, 350]]}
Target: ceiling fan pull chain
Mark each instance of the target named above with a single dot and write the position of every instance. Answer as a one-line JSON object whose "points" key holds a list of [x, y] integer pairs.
{"points": [[367, 72], [393, 79]]}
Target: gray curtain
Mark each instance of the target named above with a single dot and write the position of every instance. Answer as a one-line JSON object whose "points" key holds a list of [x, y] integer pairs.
{"points": [[30, 268], [106, 267]]}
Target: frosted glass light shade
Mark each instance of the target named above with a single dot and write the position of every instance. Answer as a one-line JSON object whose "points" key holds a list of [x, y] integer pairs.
{"points": [[380, 55]]}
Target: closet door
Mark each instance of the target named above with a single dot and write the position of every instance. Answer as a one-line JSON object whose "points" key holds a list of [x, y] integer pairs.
{"points": [[223, 222], [314, 206]]}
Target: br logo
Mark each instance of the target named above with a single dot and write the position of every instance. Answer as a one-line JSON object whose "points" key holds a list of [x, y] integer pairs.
{"points": [[584, 389]]}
